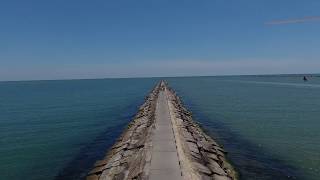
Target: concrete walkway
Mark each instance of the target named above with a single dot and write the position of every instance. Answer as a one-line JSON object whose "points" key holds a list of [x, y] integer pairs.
{"points": [[164, 162]]}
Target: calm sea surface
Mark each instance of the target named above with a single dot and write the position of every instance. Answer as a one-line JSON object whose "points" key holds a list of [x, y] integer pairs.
{"points": [[270, 125], [57, 129]]}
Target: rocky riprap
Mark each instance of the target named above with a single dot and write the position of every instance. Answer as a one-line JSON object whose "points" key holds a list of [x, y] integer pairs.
{"points": [[129, 156], [200, 157]]}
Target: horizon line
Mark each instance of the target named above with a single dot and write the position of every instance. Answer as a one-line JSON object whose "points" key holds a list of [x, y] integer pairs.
{"points": [[142, 77]]}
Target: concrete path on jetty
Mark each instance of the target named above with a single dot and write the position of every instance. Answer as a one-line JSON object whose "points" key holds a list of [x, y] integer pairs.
{"points": [[164, 158]]}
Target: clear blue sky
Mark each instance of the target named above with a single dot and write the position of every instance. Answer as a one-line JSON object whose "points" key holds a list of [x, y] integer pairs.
{"points": [[63, 39]]}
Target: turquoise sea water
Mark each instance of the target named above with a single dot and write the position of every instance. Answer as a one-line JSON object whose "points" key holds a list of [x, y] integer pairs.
{"points": [[57, 129], [269, 124]]}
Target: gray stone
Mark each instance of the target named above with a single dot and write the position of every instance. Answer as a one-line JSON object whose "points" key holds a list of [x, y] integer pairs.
{"points": [[218, 177], [215, 167], [202, 168], [193, 147]]}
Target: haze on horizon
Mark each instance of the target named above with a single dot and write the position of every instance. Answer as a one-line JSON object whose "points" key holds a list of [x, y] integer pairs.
{"points": [[77, 39]]}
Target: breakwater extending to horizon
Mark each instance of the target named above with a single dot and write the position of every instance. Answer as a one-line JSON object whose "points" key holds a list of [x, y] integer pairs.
{"points": [[268, 124], [163, 142]]}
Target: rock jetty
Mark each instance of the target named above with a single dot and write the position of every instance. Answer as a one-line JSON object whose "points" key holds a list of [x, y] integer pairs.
{"points": [[163, 142]]}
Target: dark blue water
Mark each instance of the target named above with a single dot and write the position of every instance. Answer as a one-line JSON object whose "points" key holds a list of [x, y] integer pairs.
{"points": [[57, 129]]}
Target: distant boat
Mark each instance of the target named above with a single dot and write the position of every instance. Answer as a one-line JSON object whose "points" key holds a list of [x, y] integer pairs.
{"points": [[305, 78]]}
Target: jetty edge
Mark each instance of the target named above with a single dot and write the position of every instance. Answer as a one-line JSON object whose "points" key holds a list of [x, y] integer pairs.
{"points": [[133, 156]]}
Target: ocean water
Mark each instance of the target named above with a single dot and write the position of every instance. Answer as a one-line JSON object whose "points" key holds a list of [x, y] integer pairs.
{"points": [[57, 129], [270, 125]]}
